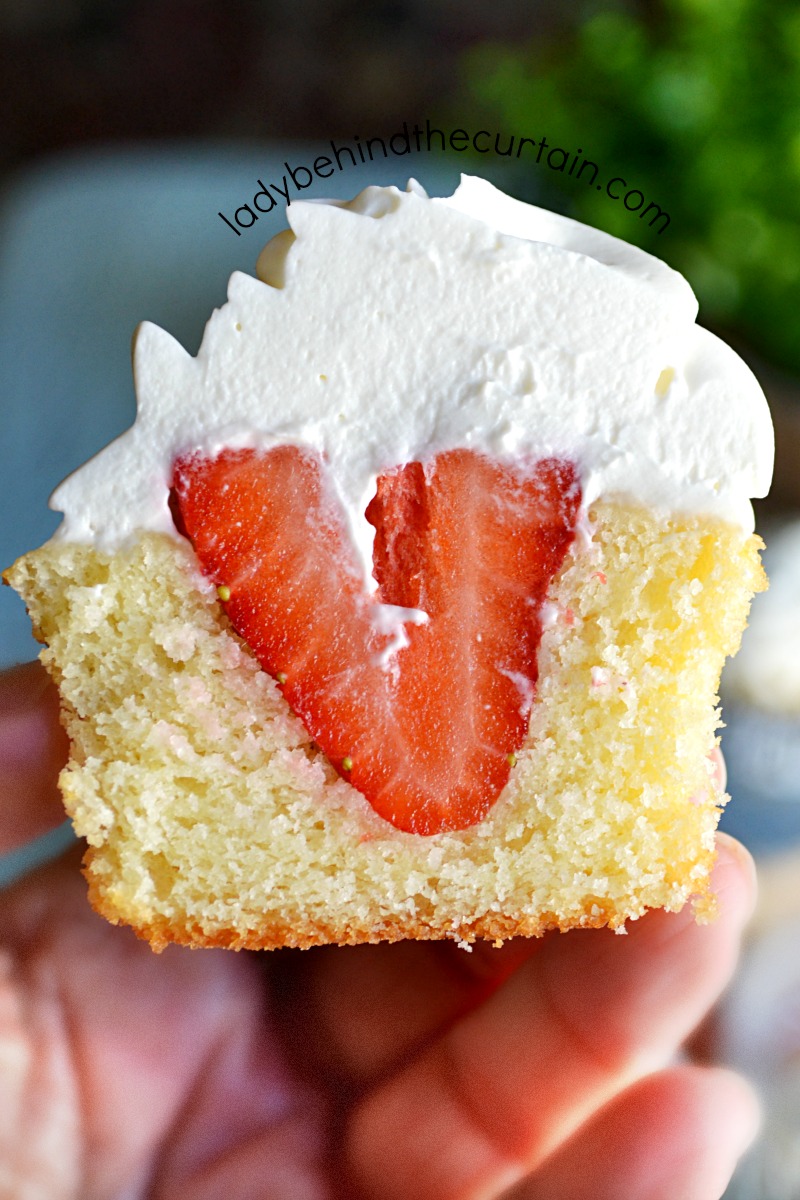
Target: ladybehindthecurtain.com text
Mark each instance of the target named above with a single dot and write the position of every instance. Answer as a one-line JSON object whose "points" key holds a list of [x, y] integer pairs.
{"points": [[418, 140]]}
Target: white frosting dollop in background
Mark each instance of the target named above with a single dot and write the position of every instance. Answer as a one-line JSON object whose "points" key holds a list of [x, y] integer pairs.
{"points": [[404, 325]]}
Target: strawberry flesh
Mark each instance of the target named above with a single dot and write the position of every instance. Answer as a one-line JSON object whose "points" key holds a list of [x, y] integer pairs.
{"points": [[426, 732]]}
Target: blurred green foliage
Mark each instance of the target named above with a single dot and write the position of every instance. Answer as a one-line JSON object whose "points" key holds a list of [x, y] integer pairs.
{"points": [[697, 104]]}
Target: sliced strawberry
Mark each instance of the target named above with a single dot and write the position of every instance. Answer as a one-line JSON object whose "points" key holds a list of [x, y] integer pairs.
{"points": [[427, 733]]}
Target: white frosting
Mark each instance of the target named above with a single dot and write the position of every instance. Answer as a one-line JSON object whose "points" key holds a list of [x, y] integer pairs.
{"points": [[403, 325]]}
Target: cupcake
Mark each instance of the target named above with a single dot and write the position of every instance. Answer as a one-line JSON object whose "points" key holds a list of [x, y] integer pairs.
{"points": [[400, 611]]}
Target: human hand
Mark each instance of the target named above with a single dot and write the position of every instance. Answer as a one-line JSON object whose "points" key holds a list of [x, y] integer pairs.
{"points": [[391, 1071]]}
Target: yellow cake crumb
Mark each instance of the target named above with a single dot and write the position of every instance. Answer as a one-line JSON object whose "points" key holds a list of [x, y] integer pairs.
{"points": [[212, 819]]}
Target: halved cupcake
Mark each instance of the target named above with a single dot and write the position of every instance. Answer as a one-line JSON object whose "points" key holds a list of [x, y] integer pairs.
{"points": [[401, 609]]}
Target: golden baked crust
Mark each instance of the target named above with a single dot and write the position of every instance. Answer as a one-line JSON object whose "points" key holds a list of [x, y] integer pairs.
{"points": [[212, 819]]}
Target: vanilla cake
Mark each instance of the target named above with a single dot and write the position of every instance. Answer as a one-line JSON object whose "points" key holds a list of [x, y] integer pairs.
{"points": [[401, 609]]}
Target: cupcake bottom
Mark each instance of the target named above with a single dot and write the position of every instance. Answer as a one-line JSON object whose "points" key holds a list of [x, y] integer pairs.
{"points": [[213, 820]]}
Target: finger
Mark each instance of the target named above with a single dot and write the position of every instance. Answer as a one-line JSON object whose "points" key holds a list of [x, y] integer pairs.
{"points": [[580, 1021], [142, 1073], [364, 1009], [33, 748], [677, 1133]]}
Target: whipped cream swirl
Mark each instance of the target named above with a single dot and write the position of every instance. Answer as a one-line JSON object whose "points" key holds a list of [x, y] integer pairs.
{"points": [[398, 325]]}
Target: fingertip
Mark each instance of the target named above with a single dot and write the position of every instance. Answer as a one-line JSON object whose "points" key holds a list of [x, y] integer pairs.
{"points": [[22, 687], [677, 1132], [715, 1117], [33, 749], [734, 879], [743, 1116]]}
